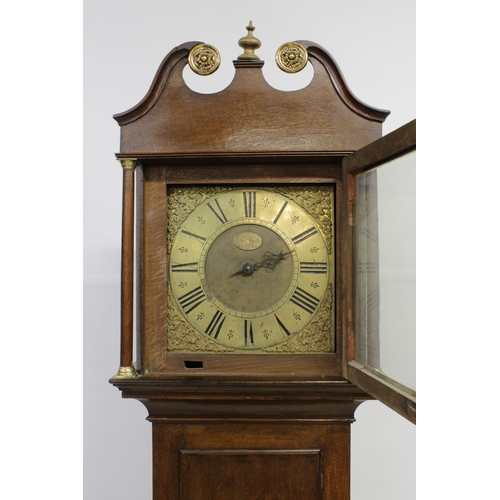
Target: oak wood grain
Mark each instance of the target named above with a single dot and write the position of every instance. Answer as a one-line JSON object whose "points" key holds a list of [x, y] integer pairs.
{"points": [[127, 270], [249, 115], [251, 460]]}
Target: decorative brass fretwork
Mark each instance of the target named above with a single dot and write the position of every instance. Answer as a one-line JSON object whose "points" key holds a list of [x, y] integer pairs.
{"points": [[183, 337], [316, 337], [317, 202], [183, 201], [291, 57], [204, 59]]}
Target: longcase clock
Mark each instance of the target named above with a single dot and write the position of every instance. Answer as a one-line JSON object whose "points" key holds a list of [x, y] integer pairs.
{"points": [[244, 251]]}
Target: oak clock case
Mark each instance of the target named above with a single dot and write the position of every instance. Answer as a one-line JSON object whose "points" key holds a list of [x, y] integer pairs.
{"points": [[251, 270], [244, 275]]}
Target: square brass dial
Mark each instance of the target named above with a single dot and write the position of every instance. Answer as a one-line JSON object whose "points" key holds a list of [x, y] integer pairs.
{"points": [[251, 269]]}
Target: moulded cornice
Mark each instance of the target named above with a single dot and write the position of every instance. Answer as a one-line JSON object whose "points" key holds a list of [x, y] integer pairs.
{"points": [[157, 86], [315, 51], [318, 53]]}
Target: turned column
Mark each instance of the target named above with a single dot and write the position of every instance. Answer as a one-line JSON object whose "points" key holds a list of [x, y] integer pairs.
{"points": [[127, 369]]}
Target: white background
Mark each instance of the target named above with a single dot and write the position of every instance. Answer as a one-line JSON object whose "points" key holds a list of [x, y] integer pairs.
{"points": [[42, 199]]}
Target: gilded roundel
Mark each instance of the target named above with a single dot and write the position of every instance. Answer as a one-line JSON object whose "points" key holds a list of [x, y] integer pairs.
{"points": [[291, 57], [204, 59]]}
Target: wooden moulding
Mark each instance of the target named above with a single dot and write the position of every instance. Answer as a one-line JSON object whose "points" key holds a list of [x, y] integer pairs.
{"points": [[249, 116], [153, 277], [388, 147], [215, 398]]}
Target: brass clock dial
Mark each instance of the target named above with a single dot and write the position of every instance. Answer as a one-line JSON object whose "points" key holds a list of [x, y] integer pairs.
{"points": [[249, 268]]}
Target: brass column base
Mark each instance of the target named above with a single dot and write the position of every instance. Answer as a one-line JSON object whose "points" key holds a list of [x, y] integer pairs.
{"points": [[126, 372]]}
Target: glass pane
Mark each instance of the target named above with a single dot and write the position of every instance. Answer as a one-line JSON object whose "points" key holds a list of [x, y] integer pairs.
{"points": [[385, 255]]}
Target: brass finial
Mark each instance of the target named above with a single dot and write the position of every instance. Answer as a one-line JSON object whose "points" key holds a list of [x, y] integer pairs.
{"points": [[249, 44]]}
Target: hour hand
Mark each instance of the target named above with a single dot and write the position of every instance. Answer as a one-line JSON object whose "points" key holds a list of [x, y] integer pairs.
{"points": [[247, 268], [269, 261]]}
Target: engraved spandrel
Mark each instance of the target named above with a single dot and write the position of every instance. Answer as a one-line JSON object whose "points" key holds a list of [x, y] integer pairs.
{"points": [[317, 202], [183, 337], [181, 202], [316, 336]]}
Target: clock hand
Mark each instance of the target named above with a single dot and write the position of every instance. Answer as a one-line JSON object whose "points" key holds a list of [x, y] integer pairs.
{"points": [[269, 261]]}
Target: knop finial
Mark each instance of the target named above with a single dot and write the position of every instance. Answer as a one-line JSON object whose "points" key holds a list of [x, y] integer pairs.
{"points": [[249, 44]]}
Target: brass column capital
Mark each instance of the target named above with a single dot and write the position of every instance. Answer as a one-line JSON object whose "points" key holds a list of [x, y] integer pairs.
{"points": [[128, 163]]}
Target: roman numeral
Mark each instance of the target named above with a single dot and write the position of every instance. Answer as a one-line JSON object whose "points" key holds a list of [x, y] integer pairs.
{"points": [[216, 324], [313, 267], [193, 235], [218, 211], [192, 300], [304, 300], [282, 326], [248, 333], [303, 236], [280, 212], [185, 268], [249, 202]]}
